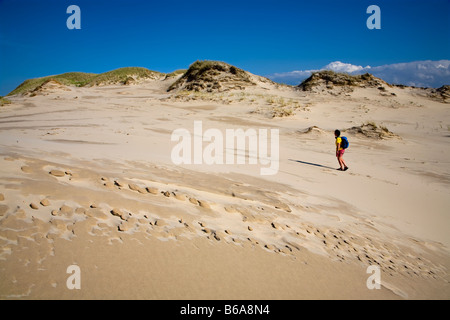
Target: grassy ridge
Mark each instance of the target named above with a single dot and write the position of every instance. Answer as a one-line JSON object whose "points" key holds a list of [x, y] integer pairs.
{"points": [[339, 79], [81, 79], [122, 75], [202, 73], [176, 73], [4, 101], [78, 79], [199, 75]]}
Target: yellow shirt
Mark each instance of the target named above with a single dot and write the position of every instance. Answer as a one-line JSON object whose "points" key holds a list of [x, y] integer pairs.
{"points": [[339, 141]]}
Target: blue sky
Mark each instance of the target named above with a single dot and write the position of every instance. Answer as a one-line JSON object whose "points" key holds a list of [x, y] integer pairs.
{"points": [[263, 37]]}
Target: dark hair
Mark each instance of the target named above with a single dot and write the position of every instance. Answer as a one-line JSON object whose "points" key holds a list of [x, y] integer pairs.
{"points": [[337, 133]]}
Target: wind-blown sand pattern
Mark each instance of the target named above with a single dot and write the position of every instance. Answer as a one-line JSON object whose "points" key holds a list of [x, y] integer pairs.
{"points": [[86, 178]]}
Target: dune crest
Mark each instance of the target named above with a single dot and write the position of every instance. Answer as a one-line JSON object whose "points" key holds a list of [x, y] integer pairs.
{"points": [[322, 81], [213, 76], [48, 87]]}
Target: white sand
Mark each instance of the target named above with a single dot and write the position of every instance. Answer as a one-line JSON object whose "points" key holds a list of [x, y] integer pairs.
{"points": [[307, 232]]}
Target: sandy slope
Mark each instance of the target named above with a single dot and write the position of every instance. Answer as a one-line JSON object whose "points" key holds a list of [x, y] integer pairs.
{"points": [[141, 227]]}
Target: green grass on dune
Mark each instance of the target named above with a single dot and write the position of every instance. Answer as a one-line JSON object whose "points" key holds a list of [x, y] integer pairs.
{"points": [[176, 73], [206, 70], [78, 79], [123, 74], [4, 101], [201, 70], [81, 79]]}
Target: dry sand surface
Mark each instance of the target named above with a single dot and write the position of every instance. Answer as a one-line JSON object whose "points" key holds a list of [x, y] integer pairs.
{"points": [[86, 179]]}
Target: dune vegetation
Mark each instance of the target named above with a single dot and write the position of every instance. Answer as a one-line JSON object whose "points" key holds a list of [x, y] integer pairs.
{"points": [[82, 79]]}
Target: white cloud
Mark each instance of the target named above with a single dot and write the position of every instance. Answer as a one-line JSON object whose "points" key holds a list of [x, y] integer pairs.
{"points": [[418, 73], [338, 66]]}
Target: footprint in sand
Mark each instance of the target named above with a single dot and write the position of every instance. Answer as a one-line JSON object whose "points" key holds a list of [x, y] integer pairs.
{"points": [[97, 214], [80, 210], [283, 206], [45, 202], [59, 225], [126, 226], [194, 201], [34, 206], [152, 190], [204, 204], [160, 223], [179, 196], [118, 213], [230, 209], [120, 184], [135, 187], [276, 226], [206, 230], [57, 173], [217, 235], [26, 169], [66, 210]]}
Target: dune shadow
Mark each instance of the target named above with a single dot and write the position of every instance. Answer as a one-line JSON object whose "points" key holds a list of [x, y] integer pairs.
{"points": [[312, 164]]}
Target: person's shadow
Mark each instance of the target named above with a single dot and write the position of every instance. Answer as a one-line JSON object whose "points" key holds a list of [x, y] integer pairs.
{"points": [[312, 164]]}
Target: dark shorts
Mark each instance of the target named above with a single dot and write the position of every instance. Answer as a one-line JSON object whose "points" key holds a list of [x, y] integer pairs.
{"points": [[341, 153]]}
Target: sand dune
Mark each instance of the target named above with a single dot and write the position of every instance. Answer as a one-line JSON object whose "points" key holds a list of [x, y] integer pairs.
{"points": [[50, 86], [87, 179]]}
